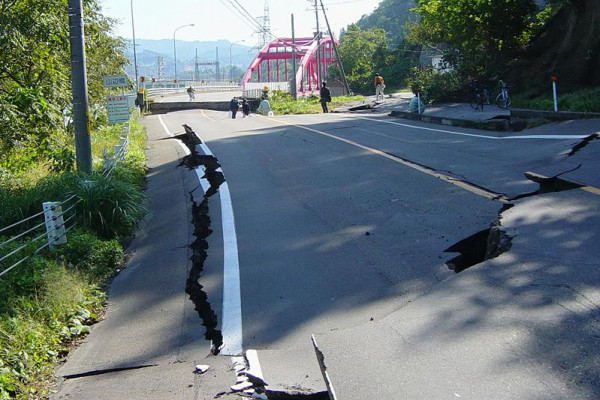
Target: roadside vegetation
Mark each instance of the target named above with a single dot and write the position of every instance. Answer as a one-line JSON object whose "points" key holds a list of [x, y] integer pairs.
{"points": [[282, 103], [474, 40], [585, 100], [48, 301]]}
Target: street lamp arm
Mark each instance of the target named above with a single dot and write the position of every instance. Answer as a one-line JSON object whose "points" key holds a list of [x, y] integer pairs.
{"points": [[175, 46], [230, 63]]}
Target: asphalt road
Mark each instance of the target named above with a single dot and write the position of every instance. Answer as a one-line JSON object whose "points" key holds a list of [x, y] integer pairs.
{"points": [[338, 224], [340, 220]]}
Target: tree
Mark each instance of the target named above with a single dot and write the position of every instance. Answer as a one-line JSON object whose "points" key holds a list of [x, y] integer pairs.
{"points": [[390, 15], [35, 71], [475, 36], [362, 52]]}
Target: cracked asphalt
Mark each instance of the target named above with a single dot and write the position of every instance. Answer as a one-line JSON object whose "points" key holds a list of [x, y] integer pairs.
{"points": [[342, 225]]}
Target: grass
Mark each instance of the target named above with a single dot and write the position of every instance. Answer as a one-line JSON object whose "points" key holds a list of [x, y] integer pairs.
{"points": [[283, 104], [51, 299], [585, 100]]}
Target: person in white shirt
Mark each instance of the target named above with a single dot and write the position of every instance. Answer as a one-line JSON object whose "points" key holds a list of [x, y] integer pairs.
{"points": [[264, 107]]}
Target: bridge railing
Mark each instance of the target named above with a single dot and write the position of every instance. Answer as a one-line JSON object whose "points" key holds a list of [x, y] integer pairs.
{"points": [[197, 89]]}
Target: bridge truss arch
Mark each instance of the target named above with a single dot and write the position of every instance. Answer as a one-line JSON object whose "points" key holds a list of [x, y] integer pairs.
{"points": [[272, 66]]}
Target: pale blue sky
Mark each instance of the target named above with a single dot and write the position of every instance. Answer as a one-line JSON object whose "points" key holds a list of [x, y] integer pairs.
{"points": [[157, 19]]}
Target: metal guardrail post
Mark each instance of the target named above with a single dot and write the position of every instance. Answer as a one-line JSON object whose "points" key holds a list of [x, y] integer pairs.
{"points": [[55, 227]]}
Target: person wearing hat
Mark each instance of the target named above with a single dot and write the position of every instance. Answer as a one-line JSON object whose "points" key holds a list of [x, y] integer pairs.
{"points": [[379, 86]]}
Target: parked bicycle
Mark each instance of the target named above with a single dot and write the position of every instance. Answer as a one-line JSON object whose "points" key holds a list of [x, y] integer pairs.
{"points": [[503, 99], [479, 96]]}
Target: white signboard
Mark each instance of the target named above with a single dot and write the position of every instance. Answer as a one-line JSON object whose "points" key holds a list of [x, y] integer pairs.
{"points": [[132, 97], [118, 109], [114, 81]]}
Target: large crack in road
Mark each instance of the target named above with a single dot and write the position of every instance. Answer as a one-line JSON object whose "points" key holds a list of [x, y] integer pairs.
{"points": [[201, 222]]}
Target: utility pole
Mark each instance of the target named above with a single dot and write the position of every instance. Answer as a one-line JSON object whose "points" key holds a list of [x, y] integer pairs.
{"points": [[81, 117], [337, 55], [135, 67], [196, 72], [217, 67], [319, 78], [293, 87]]}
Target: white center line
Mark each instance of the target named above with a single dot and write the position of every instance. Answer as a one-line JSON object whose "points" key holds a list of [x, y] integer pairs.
{"points": [[551, 137], [231, 326]]}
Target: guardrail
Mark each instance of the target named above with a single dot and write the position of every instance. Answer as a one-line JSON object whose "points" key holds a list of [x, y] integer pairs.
{"points": [[252, 93], [197, 89], [118, 154], [55, 220]]}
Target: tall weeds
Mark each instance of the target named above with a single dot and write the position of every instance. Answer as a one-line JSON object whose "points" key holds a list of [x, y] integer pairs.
{"points": [[51, 299]]}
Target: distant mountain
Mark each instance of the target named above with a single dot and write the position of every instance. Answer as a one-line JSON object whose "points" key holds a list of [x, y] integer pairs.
{"points": [[152, 53]]}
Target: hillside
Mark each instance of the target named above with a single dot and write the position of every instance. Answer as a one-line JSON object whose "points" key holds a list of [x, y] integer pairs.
{"points": [[568, 47], [391, 15]]}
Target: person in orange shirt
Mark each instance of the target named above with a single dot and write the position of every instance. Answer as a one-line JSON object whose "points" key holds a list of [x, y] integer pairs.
{"points": [[379, 86]]}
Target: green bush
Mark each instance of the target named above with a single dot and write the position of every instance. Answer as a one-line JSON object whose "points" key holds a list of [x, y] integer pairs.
{"points": [[109, 207], [96, 258], [50, 298], [283, 104], [39, 327], [435, 87]]}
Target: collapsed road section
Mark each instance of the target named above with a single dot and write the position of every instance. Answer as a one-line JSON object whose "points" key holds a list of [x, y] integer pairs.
{"points": [[483, 245]]}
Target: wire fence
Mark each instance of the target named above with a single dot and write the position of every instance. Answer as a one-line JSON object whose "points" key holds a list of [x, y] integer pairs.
{"points": [[25, 237]]}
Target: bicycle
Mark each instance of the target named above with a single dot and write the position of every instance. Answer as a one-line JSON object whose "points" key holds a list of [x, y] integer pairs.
{"points": [[480, 96], [503, 99]]}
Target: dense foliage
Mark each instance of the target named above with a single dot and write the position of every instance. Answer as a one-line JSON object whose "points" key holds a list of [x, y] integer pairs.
{"points": [[35, 76], [362, 51], [477, 37], [391, 16], [50, 299], [365, 52]]}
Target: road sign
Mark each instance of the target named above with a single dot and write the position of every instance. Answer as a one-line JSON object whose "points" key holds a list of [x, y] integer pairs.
{"points": [[114, 81], [118, 109]]}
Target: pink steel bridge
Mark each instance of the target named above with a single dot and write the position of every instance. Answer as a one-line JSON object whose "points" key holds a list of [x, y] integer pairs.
{"points": [[273, 63]]}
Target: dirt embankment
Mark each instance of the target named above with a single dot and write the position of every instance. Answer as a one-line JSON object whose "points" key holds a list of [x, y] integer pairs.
{"points": [[569, 48]]}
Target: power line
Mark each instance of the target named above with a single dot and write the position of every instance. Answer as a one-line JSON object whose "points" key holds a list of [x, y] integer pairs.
{"points": [[251, 24]]}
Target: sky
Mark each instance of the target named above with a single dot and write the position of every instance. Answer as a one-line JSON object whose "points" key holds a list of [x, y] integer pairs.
{"points": [[213, 20]]}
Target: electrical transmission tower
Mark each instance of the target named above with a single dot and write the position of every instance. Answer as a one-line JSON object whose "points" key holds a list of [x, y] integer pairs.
{"points": [[214, 63], [160, 67], [265, 28]]}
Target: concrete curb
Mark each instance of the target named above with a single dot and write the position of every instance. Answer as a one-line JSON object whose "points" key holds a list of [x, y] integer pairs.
{"points": [[491, 125], [551, 115]]}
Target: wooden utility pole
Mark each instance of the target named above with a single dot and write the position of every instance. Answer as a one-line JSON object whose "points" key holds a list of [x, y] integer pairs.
{"points": [[319, 77], [337, 55]]}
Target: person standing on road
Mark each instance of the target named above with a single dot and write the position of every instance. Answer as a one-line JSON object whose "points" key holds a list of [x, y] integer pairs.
{"points": [[190, 92], [245, 108], [379, 86], [234, 106], [264, 107], [325, 94]]}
